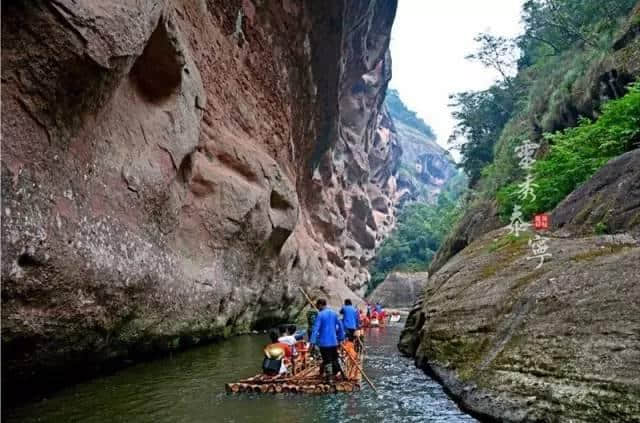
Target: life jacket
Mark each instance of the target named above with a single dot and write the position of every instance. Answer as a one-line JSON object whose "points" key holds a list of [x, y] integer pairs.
{"points": [[349, 348], [275, 351], [302, 347]]}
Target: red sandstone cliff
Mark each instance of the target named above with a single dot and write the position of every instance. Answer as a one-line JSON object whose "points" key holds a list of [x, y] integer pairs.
{"points": [[173, 170]]}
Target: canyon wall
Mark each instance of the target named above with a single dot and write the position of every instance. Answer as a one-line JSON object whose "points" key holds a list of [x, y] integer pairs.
{"points": [[515, 339], [605, 77], [399, 289], [173, 171], [425, 167]]}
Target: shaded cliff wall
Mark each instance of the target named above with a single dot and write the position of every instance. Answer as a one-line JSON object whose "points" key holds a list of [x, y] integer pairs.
{"points": [[172, 171]]}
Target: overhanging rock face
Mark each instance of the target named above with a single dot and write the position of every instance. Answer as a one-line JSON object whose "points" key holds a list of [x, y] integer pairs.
{"points": [[173, 171]]}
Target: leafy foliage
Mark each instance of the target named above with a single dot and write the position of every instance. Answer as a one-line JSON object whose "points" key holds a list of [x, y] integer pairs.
{"points": [[565, 48], [418, 233], [554, 26], [480, 116], [577, 153], [498, 53]]}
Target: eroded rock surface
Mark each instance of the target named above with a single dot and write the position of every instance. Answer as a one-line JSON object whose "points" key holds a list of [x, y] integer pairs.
{"points": [[173, 171], [517, 343], [399, 289], [609, 202]]}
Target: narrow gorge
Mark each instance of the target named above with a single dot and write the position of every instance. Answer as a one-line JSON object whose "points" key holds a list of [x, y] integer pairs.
{"points": [[177, 175]]}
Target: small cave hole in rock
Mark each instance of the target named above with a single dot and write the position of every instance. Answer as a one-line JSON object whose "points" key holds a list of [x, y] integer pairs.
{"points": [[27, 260], [184, 172], [277, 201], [158, 71]]}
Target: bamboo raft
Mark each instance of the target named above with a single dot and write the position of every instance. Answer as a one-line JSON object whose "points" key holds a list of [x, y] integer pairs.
{"points": [[306, 380]]}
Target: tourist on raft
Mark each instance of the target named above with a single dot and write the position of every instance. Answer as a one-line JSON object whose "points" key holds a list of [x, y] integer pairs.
{"points": [[327, 334], [350, 319], [288, 336], [275, 354], [364, 319], [382, 316]]}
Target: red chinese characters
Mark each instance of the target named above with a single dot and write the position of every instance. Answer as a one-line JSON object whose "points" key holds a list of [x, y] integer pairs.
{"points": [[541, 221]]}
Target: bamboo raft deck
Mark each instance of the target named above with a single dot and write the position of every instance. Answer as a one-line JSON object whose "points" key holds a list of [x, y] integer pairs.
{"points": [[305, 381]]}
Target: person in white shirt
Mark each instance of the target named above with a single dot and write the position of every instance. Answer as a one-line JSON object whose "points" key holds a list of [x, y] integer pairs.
{"points": [[287, 336]]}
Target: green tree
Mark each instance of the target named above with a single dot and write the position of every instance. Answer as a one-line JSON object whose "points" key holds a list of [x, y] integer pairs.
{"points": [[554, 26], [420, 230], [480, 117]]}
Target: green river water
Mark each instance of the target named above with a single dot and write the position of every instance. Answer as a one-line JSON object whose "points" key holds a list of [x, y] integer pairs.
{"points": [[189, 387]]}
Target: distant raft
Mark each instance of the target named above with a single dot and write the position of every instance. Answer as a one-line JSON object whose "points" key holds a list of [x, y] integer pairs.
{"points": [[306, 379]]}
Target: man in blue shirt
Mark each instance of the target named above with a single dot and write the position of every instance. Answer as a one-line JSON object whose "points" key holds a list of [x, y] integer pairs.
{"points": [[378, 308], [350, 319], [327, 334]]}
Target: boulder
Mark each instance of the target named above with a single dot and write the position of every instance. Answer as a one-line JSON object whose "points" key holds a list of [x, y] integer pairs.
{"points": [[609, 202], [518, 342], [399, 289]]}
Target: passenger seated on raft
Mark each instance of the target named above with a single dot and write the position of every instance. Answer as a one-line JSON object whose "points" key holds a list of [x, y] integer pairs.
{"points": [[275, 355], [287, 336]]}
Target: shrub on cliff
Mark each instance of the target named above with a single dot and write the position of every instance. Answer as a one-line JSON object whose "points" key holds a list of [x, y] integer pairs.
{"points": [[577, 153]]}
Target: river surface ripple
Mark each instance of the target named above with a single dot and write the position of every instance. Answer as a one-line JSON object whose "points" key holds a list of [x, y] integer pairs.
{"points": [[189, 387]]}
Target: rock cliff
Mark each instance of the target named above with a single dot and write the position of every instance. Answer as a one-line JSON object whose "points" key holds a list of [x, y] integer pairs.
{"points": [[172, 171], [425, 167], [517, 343], [399, 289]]}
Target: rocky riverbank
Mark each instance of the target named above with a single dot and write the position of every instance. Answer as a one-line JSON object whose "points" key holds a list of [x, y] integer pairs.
{"points": [[515, 342]]}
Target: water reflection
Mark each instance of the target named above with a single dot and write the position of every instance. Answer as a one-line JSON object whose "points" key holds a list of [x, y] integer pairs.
{"points": [[189, 387]]}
